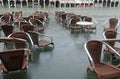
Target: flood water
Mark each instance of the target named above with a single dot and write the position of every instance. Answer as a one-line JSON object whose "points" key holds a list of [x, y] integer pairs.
{"points": [[68, 59]]}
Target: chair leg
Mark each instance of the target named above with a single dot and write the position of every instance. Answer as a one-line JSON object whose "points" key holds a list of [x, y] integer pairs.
{"points": [[91, 74]]}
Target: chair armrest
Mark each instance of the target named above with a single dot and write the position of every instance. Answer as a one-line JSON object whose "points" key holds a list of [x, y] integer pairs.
{"points": [[95, 21], [69, 22], [117, 24], [90, 58], [1, 18], [104, 23], [43, 23], [114, 51], [45, 37]]}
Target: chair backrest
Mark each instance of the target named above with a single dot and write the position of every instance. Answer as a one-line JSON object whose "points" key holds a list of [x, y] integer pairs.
{"points": [[89, 19], [110, 35], [6, 18], [23, 23], [34, 37], [27, 27], [12, 59], [36, 22], [74, 19], [113, 22], [22, 35], [41, 17], [64, 16], [17, 15], [94, 50], [7, 29], [46, 15]]}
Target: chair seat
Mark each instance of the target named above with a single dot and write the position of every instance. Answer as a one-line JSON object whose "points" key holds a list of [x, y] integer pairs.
{"points": [[112, 29], [106, 71], [44, 43], [39, 29]]}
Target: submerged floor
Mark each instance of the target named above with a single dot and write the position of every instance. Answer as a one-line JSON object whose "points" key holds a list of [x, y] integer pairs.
{"points": [[68, 59]]}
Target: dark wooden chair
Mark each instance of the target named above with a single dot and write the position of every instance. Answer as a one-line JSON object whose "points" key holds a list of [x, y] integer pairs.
{"points": [[13, 60], [38, 25], [73, 26], [103, 70], [6, 18], [63, 17], [22, 35], [27, 27], [7, 29], [41, 40], [25, 36], [19, 22], [111, 24]]}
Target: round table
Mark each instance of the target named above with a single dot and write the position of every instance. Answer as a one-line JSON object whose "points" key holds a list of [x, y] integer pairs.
{"points": [[84, 23]]}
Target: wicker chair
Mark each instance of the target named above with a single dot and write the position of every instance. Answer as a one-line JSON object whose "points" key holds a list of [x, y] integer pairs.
{"points": [[38, 25], [7, 18], [39, 41], [90, 19], [111, 24], [73, 26], [103, 70], [13, 60], [7, 29], [27, 27], [110, 34], [22, 35]]}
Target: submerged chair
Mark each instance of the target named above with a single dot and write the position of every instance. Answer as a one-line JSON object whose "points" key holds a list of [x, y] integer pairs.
{"points": [[72, 23], [7, 29], [38, 25], [103, 70], [14, 42], [22, 35], [42, 41], [27, 27], [7, 18], [13, 60], [111, 24], [90, 19], [110, 34]]}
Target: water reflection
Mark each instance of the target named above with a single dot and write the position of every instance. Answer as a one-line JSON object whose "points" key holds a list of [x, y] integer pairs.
{"points": [[19, 75], [35, 59]]}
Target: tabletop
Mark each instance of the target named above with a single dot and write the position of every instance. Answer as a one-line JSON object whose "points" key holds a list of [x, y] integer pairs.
{"points": [[84, 23]]}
